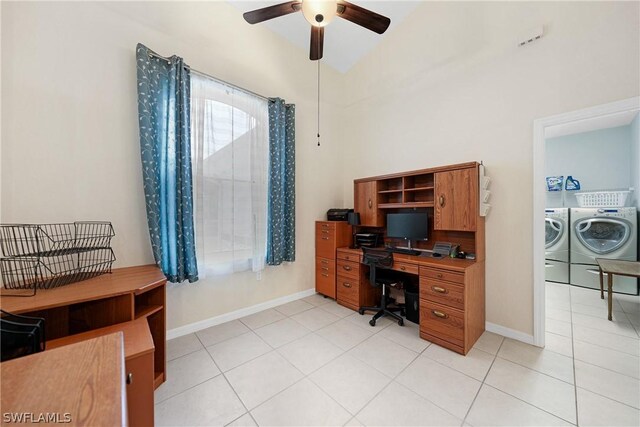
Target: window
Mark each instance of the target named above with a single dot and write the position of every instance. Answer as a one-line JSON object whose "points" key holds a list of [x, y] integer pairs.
{"points": [[230, 149]]}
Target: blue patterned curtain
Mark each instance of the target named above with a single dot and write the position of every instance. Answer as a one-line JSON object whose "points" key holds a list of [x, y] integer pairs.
{"points": [[281, 206], [164, 118]]}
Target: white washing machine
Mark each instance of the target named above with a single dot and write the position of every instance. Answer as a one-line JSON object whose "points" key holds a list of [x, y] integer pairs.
{"points": [[556, 244], [603, 233]]}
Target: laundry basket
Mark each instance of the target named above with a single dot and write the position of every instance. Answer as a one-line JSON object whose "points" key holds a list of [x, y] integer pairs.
{"points": [[602, 199]]}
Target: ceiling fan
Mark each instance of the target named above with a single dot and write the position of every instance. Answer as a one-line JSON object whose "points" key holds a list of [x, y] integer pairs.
{"points": [[319, 13]]}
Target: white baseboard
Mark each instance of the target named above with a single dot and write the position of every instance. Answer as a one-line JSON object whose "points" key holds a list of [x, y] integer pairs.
{"points": [[509, 333], [233, 315]]}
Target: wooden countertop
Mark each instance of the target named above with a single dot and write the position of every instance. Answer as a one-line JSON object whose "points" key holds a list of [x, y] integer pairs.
{"points": [[84, 381], [446, 263], [121, 281]]}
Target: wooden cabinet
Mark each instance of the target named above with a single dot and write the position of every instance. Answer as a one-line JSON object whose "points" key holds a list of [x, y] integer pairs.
{"points": [[365, 195], [353, 288], [126, 294], [139, 372], [456, 204], [452, 306], [330, 235]]}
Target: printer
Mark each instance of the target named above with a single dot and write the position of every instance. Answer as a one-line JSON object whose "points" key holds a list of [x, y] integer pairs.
{"points": [[338, 214]]}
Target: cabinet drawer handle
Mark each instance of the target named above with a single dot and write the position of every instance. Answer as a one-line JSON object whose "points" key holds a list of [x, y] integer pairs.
{"points": [[370, 204], [440, 314], [403, 268], [129, 378], [346, 267], [325, 225], [324, 231], [346, 285], [324, 262], [439, 275], [439, 289], [324, 268], [441, 200], [325, 238], [325, 275], [347, 257]]}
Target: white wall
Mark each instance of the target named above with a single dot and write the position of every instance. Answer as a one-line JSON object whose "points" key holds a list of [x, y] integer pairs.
{"points": [[600, 160], [635, 160], [450, 85], [70, 147]]}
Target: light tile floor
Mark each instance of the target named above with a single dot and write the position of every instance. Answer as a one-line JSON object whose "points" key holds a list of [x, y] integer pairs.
{"points": [[313, 362]]}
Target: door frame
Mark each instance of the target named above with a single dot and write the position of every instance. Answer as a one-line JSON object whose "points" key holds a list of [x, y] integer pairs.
{"points": [[539, 200]]}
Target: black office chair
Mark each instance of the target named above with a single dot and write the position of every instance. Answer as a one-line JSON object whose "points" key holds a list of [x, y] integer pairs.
{"points": [[380, 259]]}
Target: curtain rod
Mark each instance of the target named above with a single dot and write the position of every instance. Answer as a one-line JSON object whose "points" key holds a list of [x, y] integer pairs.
{"points": [[213, 78]]}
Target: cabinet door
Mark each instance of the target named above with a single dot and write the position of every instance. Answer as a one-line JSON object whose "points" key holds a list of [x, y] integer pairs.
{"points": [[366, 203], [456, 204], [140, 390]]}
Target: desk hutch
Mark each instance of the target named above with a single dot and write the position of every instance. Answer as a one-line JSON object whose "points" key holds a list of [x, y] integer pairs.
{"points": [[452, 293]]}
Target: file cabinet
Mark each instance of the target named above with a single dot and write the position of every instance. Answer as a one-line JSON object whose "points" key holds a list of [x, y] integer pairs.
{"points": [[330, 235]]}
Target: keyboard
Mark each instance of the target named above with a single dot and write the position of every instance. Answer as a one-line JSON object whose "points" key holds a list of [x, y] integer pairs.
{"points": [[404, 251]]}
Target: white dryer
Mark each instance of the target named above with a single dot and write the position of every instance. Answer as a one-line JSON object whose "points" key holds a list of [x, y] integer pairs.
{"points": [[603, 233], [556, 243]]}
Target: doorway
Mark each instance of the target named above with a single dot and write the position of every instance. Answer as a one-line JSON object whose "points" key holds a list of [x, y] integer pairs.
{"points": [[590, 119]]}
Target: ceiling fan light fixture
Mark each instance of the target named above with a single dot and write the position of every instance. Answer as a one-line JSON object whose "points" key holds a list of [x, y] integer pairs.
{"points": [[319, 13]]}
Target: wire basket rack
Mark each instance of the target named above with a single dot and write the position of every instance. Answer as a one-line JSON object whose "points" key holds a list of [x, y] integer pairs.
{"points": [[44, 256]]}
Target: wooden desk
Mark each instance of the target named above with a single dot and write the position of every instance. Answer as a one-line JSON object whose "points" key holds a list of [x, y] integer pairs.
{"points": [[138, 357], [452, 296], [83, 383], [611, 267], [124, 295]]}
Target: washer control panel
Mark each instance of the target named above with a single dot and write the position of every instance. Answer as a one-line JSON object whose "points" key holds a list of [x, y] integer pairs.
{"points": [[612, 212]]}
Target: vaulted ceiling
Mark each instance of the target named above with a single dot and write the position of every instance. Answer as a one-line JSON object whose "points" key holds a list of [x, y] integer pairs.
{"points": [[345, 43]]}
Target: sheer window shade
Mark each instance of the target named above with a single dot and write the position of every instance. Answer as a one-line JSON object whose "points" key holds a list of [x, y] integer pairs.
{"points": [[230, 151]]}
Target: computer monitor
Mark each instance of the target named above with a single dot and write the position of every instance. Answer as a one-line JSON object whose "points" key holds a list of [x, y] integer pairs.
{"points": [[410, 226]]}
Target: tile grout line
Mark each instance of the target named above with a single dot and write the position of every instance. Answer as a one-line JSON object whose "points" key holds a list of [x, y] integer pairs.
{"points": [[229, 384], [516, 397], [392, 379], [636, 328], [575, 379], [307, 376], [573, 364], [495, 356], [598, 345], [609, 398]]}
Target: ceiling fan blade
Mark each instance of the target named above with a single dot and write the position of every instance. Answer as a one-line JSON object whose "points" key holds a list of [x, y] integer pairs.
{"points": [[317, 43], [266, 13], [363, 17]]}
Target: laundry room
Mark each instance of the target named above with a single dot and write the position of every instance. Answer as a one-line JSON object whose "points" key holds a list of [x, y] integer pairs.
{"points": [[592, 199]]}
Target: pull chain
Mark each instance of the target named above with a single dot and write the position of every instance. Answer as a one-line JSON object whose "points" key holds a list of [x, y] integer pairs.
{"points": [[318, 103]]}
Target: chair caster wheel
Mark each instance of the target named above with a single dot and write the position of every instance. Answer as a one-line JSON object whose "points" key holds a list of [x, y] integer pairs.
{"points": [[401, 322], [403, 313], [372, 322], [361, 311]]}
